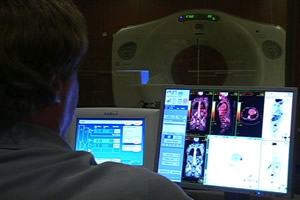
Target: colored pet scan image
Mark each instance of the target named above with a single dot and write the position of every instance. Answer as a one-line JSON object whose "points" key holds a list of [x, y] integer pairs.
{"points": [[250, 114], [194, 157], [199, 113], [224, 112]]}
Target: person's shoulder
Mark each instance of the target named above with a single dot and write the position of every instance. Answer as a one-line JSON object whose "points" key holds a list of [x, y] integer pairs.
{"points": [[128, 172], [154, 185]]}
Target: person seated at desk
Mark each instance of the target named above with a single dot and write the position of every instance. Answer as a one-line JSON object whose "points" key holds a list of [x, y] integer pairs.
{"points": [[42, 43]]}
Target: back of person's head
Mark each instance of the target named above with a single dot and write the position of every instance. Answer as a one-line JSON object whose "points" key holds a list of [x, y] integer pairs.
{"points": [[39, 39]]}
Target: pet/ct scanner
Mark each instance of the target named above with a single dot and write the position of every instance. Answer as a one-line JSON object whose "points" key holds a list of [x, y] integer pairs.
{"points": [[195, 47]]}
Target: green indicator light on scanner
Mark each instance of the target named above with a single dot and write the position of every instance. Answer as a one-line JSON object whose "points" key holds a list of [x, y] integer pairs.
{"points": [[190, 16], [209, 16]]}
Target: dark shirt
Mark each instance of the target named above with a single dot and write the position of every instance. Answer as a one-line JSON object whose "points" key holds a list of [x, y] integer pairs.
{"points": [[36, 163]]}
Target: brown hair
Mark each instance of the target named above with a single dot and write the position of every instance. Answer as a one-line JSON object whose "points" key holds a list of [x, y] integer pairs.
{"points": [[38, 39]]}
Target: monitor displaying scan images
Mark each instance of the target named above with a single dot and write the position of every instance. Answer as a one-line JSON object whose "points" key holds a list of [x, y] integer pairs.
{"points": [[228, 138], [123, 135]]}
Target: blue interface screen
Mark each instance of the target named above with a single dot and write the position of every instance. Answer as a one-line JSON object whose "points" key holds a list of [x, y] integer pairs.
{"points": [[116, 140]]}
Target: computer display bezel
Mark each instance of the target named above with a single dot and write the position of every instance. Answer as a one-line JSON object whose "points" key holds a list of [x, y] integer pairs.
{"points": [[151, 117], [186, 186]]}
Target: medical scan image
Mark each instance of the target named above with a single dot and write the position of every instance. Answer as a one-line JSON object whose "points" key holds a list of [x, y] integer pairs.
{"points": [[250, 114], [194, 159], [273, 165], [277, 115], [224, 111], [199, 113]]}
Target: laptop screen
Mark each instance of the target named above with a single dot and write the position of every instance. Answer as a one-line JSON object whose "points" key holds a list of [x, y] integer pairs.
{"points": [[234, 139]]}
